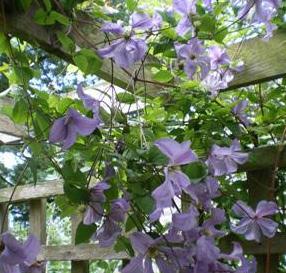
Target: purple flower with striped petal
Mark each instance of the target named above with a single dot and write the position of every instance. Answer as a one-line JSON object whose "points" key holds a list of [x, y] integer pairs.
{"points": [[125, 51], [141, 21], [186, 221], [66, 129], [113, 28], [89, 103], [225, 160], [178, 153], [147, 249], [185, 8], [94, 211], [254, 223], [194, 57], [218, 57], [238, 111], [19, 257]]}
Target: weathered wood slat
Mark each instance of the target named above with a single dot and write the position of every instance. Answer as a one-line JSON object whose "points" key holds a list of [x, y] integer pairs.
{"points": [[259, 158], [83, 252], [29, 192], [263, 60]]}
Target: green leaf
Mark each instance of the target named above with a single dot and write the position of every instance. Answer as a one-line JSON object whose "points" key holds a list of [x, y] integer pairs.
{"points": [[87, 61], [163, 76], [75, 193], [123, 244], [47, 4], [22, 75], [67, 43], [196, 171], [56, 16], [84, 233], [20, 111], [125, 97], [131, 4], [24, 4]]}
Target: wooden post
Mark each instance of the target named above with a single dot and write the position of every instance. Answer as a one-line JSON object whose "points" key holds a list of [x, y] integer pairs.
{"points": [[37, 220], [259, 184], [77, 266], [3, 208]]}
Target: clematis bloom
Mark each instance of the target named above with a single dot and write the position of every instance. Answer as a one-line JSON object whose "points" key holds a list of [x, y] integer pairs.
{"points": [[225, 160], [254, 223], [66, 129]]}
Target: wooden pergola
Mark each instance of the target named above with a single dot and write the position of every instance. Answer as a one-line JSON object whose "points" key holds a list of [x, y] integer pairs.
{"points": [[263, 61]]}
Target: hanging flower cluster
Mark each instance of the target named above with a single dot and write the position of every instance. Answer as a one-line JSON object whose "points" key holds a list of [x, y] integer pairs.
{"points": [[19, 258]]}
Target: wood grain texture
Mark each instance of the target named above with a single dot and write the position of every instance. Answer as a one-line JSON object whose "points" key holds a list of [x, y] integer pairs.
{"points": [[82, 252], [263, 61], [7, 126], [29, 192]]}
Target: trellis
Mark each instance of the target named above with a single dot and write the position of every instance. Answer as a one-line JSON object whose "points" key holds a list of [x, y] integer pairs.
{"points": [[263, 62]]}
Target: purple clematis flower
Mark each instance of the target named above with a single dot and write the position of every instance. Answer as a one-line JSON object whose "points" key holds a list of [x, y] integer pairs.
{"points": [[90, 103], [66, 129], [203, 193], [264, 11], [175, 183], [195, 60], [19, 258], [108, 233], [186, 221], [224, 160], [110, 230], [94, 211], [175, 180], [125, 51], [253, 223], [113, 28], [217, 80], [178, 153], [218, 57], [141, 21], [238, 111], [185, 8], [147, 248]]}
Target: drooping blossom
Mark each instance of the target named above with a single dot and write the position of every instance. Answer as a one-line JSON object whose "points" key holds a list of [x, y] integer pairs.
{"points": [[217, 80], [238, 111], [175, 180], [177, 153], [90, 103], [254, 223], [185, 8], [19, 257], [114, 28], [194, 57], [94, 211], [218, 57], [141, 21], [110, 230], [125, 51], [225, 160], [66, 129], [185, 221], [203, 193], [264, 11], [148, 249]]}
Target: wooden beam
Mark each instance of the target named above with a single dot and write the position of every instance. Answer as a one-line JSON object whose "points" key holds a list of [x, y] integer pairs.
{"points": [[85, 252], [7, 126], [30, 192], [82, 252], [263, 61]]}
